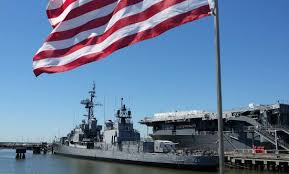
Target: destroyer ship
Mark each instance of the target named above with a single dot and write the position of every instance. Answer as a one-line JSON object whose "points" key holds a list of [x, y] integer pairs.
{"points": [[120, 142]]}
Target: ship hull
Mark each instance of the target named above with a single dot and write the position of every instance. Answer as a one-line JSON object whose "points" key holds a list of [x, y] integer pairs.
{"points": [[197, 162]]}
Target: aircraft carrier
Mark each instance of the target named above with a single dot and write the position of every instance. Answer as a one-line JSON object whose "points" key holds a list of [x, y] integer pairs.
{"points": [[120, 142], [244, 128]]}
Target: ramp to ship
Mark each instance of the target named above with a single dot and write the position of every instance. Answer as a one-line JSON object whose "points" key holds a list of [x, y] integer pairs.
{"points": [[264, 132]]}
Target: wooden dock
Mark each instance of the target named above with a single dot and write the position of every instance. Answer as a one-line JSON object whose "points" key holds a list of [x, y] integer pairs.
{"points": [[248, 159]]}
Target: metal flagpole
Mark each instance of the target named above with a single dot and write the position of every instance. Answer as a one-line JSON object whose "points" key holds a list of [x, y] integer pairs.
{"points": [[219, 88]]}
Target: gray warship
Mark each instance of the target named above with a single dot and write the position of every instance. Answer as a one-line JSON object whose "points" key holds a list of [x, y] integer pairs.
{"points": [[120, 142], [264, 125]]}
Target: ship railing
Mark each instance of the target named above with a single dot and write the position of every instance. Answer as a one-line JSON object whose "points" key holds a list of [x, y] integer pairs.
{"points": [[283, 128], [243, 151], [187, 152], [205, 133], [252, 151], [274, 151]]}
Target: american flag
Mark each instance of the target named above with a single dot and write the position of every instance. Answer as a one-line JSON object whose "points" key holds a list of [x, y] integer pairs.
{"points": [[88, 30]]}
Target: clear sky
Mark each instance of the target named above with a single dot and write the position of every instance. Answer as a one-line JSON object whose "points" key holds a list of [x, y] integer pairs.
{"points": [[175, 71]]}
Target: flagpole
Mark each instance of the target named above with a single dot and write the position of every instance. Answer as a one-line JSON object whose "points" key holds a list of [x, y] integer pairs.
{"points": [[219, 88]]}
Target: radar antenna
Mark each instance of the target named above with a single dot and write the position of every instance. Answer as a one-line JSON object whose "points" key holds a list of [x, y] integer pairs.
{"points": [[89, 103]]}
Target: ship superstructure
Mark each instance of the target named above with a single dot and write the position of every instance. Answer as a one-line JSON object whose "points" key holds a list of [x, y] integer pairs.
{"points": [[121, 129], [88, 131], [243, 128]]}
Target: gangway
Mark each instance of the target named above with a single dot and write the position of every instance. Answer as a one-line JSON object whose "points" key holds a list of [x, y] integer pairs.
{"points": [[258, 128], [265, 134]]}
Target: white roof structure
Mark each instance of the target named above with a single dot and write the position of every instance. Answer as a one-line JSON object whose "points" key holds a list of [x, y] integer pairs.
{"points": [[179, 115], [253, 106], [205, 115]]}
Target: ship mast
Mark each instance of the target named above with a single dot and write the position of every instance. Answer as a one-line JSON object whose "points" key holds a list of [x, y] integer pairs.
{"points": [[89, 103], [92, 95]]}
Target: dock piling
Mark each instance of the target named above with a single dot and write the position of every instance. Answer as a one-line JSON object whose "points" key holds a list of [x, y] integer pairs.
{"points": [[20, 152], [262, 161]]}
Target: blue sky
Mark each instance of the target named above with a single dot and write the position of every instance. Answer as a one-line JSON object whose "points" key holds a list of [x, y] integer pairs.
{"points": [[175, 71]]}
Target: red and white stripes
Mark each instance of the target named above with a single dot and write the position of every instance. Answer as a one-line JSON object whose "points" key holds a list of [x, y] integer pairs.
{"points": [[88, 30]]}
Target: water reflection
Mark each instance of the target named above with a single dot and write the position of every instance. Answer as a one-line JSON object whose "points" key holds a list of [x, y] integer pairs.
{"points": [[53, 164]]}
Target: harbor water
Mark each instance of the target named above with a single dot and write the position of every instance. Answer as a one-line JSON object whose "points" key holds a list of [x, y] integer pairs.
{"points": [[48, 164]]}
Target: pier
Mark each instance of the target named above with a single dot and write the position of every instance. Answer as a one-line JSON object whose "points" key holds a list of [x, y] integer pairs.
{"points": [[20, 152], [248, 159], [13, 145], [22, 147]]}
